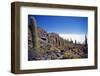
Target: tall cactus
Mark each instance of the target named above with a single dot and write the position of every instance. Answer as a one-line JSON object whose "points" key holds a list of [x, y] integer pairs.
{"points": [[33, 28], [85, 40], [75, 42]]}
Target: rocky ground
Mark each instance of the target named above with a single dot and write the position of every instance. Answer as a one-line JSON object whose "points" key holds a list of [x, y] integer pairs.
{"points": [[75, 52]]}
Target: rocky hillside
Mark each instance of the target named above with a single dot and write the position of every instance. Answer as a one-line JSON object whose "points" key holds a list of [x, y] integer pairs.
{"points": [[51, 46]]}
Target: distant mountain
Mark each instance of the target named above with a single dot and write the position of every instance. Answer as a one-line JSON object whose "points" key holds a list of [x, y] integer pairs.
{"points": [[80, 38]]}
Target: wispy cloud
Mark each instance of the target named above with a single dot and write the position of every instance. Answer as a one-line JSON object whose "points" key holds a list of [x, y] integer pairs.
{"points": [[80, 38]]}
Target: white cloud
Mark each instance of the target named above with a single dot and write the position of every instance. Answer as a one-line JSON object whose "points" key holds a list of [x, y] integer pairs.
{"points": [[80, 38]]}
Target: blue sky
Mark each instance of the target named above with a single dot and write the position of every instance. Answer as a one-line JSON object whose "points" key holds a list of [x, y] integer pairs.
{"points": [[62, 24]]}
